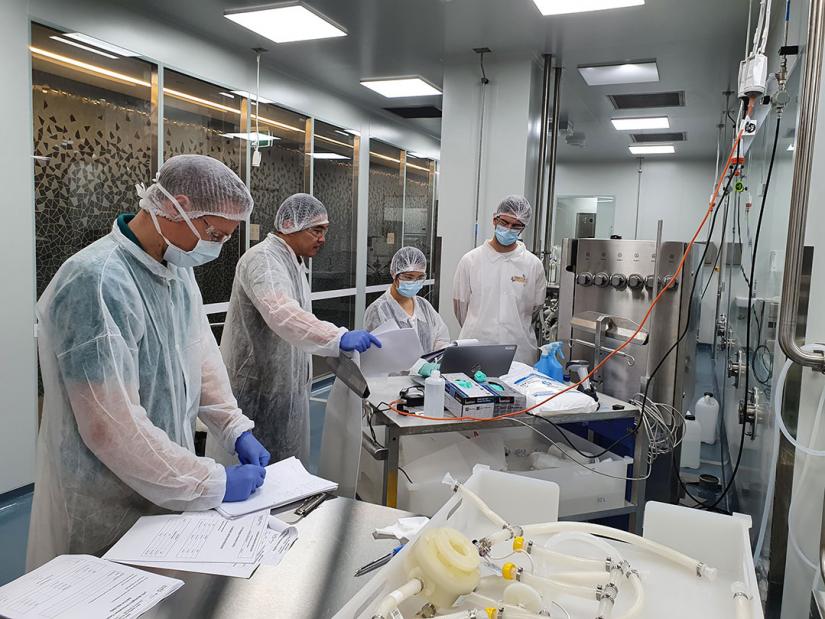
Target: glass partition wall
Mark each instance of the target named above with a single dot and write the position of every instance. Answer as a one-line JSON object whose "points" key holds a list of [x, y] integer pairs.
{"points": [[104, 121]]}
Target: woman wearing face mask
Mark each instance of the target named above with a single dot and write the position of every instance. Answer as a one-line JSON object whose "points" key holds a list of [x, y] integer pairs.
{"points": [[128, 363], [401, 303]]}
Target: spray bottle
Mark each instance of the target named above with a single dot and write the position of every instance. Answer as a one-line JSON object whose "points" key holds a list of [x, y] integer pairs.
{"points": [[550, 362]]}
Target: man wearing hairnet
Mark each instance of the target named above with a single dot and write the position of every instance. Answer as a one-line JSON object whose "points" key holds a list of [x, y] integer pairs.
{"points": [[402, 305], [271, 332], [129, 361], [499, 285]]}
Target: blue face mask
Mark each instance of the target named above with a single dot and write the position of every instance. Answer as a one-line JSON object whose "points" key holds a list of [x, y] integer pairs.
{"points": [[506, 236], [409, 289]]}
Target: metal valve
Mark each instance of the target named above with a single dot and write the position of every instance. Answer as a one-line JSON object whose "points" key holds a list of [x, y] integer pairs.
{"points": [[618, 280], [601, 280], [635, 281], [584, 279]]}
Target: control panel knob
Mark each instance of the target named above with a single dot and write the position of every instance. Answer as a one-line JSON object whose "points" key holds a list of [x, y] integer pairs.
{"points": [[649, 282], [635, 281], [668, 279], [584, 279], [618, 280], [601, 280]]}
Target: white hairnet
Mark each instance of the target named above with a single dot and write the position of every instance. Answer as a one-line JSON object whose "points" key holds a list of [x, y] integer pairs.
{"points": [[517, 206], [299, 212], [212, 189], [408, 259]]}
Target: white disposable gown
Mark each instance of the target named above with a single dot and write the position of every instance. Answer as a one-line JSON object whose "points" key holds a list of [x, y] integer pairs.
{"points": [[432, 332], [268, 343], [499, 293], [128, 363]]}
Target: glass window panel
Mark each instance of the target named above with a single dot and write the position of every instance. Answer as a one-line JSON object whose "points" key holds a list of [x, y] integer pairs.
{"points": [[419, 205], [335, 172], [93, 140], [283, 168], [386, 199], [198, 119]]}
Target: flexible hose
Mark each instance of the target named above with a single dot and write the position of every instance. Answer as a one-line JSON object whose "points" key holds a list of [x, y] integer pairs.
{"points": [[472, 496], [487, 602], [549, 528], [639, 593], [560, 557], [539, 582], [395, 598], [599, 544]]}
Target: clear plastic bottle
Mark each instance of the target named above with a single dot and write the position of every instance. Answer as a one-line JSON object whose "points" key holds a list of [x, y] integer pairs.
{"points": [[707, 414], [434, 395], [691, 444]]}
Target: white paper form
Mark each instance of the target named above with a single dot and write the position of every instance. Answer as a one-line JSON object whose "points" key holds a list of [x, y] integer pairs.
{"points": [[193, 537], [400, 348], [286, 481], [279, 539], [80, 587]]}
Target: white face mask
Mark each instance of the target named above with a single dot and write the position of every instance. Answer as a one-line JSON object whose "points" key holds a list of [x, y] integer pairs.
{"points": [[203, 252]]}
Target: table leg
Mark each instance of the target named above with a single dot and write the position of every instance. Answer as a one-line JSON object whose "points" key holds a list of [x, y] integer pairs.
{"points": [[390, 494], [637, 488]]}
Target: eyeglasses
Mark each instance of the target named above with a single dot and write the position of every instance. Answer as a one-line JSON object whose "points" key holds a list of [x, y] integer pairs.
{"points": [[518, 227], [411, 277], [318, 232], [213, 234]]}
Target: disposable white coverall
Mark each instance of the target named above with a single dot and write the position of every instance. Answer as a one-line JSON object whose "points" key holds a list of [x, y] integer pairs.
{"points": [[268, 343], [128, 363], [432, 332], [499, 293]]}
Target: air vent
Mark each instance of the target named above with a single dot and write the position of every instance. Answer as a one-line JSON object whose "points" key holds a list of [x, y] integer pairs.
{"points": [[648, 100], [642, 138], [421, 111]]}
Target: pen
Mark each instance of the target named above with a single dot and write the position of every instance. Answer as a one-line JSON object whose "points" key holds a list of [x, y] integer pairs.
{"points": [[374, 565]]}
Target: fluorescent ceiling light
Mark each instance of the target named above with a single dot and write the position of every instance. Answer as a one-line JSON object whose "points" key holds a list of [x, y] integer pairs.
{"points": [[402, 87], [252, 137], [664, 149], [791, 147], [288, 22], [328, 156], [227, 94], [85, 38], [344, 133], [121, 77], [251, 96], [627, 73], [633, 124], [561, 7], [81, 46]]}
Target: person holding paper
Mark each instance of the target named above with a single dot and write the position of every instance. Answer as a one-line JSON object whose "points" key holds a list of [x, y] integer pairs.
{"points": [[402, 305], [271, 332], [500, 286], [129, 361]]}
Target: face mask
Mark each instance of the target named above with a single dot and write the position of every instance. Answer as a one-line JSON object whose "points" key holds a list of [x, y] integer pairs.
{"points": [[506, 236], [203, 252], [409, 289]]}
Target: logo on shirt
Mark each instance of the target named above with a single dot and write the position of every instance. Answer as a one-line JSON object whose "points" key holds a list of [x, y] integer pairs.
{"points": [[519, 279]]}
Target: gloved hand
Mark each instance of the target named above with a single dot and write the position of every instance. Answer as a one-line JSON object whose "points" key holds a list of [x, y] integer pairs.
{"points": [[250, 451], [242, 480], [358, 340]]}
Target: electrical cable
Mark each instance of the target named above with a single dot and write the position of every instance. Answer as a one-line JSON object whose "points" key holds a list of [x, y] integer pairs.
{"points": [[567, 440]]}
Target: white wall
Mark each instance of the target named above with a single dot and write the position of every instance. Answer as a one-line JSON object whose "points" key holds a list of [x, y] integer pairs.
{"points": [[17, 345], [508, 154]]}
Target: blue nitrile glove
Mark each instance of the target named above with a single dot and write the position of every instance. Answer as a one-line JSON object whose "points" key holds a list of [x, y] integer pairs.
{"points": [[242, 480], [250, 451], [358, 340]]}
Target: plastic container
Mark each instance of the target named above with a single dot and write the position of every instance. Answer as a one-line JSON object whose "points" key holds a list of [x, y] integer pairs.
{"points": [[434, 395], [707, 414], [691, 443], [550, 362]]}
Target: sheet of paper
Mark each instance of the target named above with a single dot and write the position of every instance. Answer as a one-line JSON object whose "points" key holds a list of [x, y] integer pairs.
{"points": [[194, 537], [281, 538], [400, 348], [81, 586], [286, 481], [385, 327]]}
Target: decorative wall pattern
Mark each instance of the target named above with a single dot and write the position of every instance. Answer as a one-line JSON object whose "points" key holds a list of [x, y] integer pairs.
{"points": [[334, 267], [280, 175], [95, 146], [385, 222]]}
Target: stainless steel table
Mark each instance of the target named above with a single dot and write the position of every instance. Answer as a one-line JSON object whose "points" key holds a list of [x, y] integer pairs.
{"points": [[314, 580], [385, 390]]}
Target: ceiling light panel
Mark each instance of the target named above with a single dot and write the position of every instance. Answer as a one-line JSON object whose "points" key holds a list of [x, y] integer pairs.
{"points": [[263, 138], [285, 23], [251, 96], [84, 47], [663, 149], [328, 156], [625, 73], [639, 124], [402, 87], [562, 7], [114, 49]]}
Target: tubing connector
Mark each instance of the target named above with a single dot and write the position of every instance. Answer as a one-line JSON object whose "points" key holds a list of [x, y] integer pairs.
{"points": [[484, 546], [607, 592], [495, 613], [511, 571], [704, 571]]}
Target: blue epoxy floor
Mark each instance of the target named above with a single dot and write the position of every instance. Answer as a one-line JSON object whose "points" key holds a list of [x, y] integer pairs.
{"points": [[14, 531]]}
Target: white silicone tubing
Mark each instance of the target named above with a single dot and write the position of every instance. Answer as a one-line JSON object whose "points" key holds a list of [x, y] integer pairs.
{"points": [[395, 598]]}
